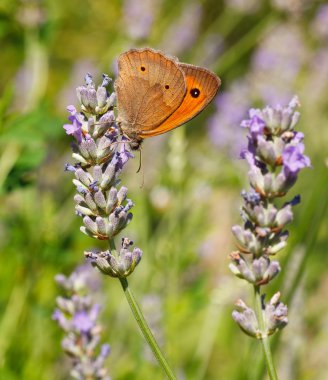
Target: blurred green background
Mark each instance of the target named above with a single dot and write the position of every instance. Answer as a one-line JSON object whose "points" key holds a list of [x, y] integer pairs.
{"points": [[264, 52]]}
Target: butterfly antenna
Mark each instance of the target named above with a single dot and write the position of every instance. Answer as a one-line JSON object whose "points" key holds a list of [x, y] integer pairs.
{"points": [[142, 171], [140, 162]]}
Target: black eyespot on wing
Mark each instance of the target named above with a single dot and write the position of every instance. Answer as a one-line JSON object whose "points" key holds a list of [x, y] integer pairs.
{"points": [[142, 68], [167, 86], [195, 92]]}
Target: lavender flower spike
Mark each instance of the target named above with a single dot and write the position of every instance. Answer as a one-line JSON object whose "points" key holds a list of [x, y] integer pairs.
{"points": [[275, 155], [101, 155], [77, 315]]}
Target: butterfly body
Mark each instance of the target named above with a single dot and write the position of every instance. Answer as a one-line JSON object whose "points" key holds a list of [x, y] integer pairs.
{"points": [[157, 93]]}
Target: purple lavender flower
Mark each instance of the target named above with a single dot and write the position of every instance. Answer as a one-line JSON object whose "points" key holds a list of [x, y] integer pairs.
{"points": [[255, 125], [275, 155], [77, 315], [293, 158], [272, 143], [75, 128], [101, 156]]}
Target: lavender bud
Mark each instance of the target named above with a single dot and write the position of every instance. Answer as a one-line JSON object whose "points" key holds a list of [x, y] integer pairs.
{"points": [[91, 148], [284, 216], [239, 267], [83, 211], [121, 195], [92, 99], [83, 150], [111, 200], [90, 225], [247, 241], [111, 100], [116, 263], [100, 199], [108, 177], [90, 202], [97, 173], [258, 271], [79, 158], [105, 122], [101, 97], [273, 249], [275, 314], [246, 319], [102, 226], [80, 187], [81, 93], [267, 151], [265, 270], [84, 177]]}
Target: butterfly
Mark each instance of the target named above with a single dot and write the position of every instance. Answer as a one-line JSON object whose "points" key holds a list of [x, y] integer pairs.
{"points": [[156, 93]]}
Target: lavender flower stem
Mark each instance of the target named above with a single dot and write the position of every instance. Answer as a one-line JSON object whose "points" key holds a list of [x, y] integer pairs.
{"points": [[264, 339], [145, 329], [137, 313]]}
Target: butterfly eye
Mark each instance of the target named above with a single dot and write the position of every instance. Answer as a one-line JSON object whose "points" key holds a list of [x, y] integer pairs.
{"points": [[142, 68], [167, 86], [195, 92]]}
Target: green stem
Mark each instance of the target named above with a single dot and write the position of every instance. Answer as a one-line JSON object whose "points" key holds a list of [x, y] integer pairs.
{"points": [[145, 329], [137, 313], [264, 339]]}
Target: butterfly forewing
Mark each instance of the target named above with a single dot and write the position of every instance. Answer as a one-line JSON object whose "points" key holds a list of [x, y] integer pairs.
{"points": [[150, 87]]}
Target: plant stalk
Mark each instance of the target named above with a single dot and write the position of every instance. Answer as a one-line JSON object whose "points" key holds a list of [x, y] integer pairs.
{"points": [[264, 338], [145, 329], [137, 313]]}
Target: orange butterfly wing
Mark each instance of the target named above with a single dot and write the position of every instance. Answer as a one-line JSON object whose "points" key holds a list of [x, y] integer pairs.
{"points": [[202, 85], [150, 86]]}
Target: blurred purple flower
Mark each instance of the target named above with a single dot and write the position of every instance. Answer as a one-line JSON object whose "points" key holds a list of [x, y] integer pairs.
{"points": [[320, 22], [82, 322], [277, 62], [139, 16], [77, 315], [231, 107], [184, 31], [317, 79]]}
